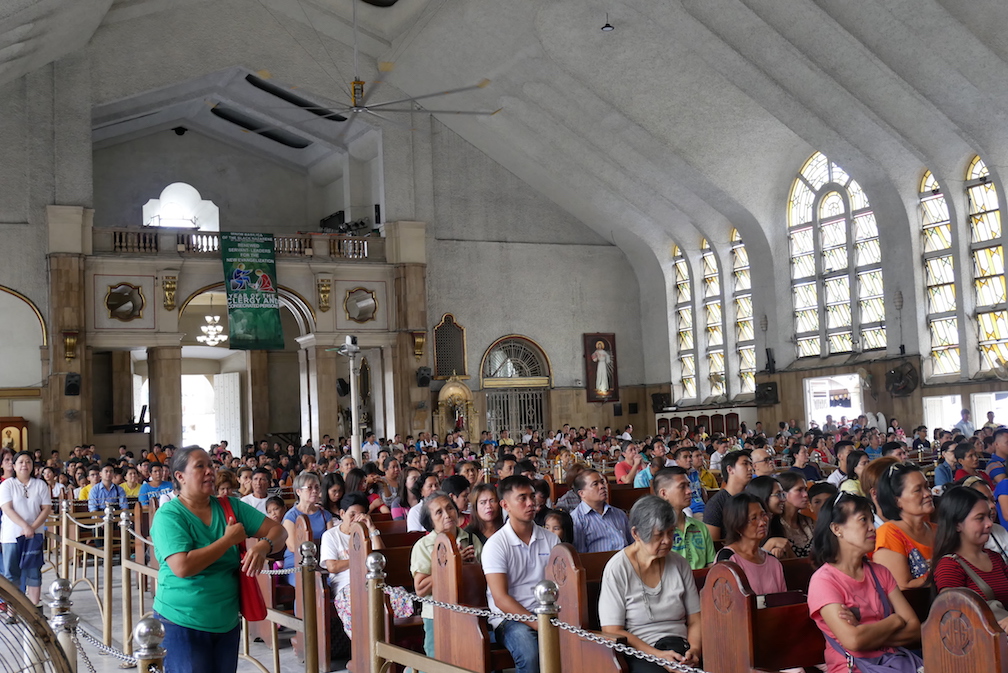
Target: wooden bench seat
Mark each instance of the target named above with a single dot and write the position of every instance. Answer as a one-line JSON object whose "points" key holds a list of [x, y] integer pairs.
{"points": [[623, 496], [961, 635], [460, 639]]}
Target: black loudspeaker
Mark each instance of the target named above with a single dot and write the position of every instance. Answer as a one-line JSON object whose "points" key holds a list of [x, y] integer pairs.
{"points": [[632, 408], [659, 401], [617, 409], [766, 394], [71, 387], [423, 377], [771, 364], [377, 214], [342, 387]]}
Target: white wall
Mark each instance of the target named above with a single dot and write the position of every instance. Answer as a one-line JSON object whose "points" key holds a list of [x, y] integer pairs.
{"points": [[503, 259], [21, 336]]}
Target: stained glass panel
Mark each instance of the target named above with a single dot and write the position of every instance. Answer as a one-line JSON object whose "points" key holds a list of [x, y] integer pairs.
{"points": [[715, 337], [801, 242], [870, 284], [994, 354], [710, 267], [837, 290], [838, 174], [938, 237], [682, 293], [838, 315], [805, 296], [747, 358], [712, 286], [938, 270], [944, 332], [985, 227], [993, 325], [982, 198], [989, 291], [831, 206], [946, 360], [833, 234], [873, 338], [834, 259], [748, 381], [742, 280], [858, 198], [977, 169], [802, 267], [688, 365], [689, 387], [865, 227], [867, 253], [872, 310], [816, 170], [934, 209], [941, 298], [744, 330], [740, 258], [841, 343], [743, 307], [807, 321], [808, 347], [802, 198]]}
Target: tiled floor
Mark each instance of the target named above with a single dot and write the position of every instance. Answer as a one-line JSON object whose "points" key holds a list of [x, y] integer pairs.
{"points": [[86, 607]]}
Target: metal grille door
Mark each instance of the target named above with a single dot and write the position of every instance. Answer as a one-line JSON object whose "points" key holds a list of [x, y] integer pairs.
{"points": [[513, 410]]}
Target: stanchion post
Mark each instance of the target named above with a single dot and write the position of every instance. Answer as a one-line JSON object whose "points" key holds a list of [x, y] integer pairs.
{"points": [[127, 583], [376, 606], [148, 636], [107, 579], [549, 636], [62, 620], [65, 530], [308, 565]]}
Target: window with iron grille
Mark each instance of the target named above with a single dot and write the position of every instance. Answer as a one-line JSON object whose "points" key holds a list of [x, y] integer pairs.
{"points": [[449, 349]]}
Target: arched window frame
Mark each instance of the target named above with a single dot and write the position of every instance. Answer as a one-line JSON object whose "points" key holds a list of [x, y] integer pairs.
{"points": [[539, 376], [939, 278], [987, 242], [837, 285], [745, 334], [685, 335], [713, 308]]}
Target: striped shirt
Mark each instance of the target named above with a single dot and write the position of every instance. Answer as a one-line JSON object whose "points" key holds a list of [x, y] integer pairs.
{"points": [[608, 531]]}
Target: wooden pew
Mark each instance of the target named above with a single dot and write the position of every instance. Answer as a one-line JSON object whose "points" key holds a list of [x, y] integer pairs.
{"points": [[577, 600], [623, 497], [406, 632], [961, 635], [398, 526], [462, 640]]}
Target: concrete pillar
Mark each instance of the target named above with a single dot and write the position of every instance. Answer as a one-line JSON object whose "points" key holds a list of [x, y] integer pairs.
{"points": [[164, 368], [67, 416], [122, 388], [257, 365], [413, 414], [319, 408]]}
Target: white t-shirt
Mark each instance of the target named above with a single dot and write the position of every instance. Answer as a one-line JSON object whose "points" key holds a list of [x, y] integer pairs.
{"points": [[58, 489], [28, 508], [413, 524], [524, 565], [258, 503], [336, 547]]}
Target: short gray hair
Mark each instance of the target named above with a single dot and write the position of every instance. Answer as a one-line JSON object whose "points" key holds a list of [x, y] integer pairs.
{"points": [[650, 515], [303, 478]]}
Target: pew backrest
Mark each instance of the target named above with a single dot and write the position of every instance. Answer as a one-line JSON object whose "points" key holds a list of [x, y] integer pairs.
{"points": [[961, 635]]}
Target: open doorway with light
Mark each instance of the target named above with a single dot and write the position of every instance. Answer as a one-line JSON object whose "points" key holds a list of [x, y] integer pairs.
{"points": [[837, 396]]}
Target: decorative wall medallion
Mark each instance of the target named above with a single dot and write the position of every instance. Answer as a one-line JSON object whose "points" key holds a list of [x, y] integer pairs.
{"points": [[168, 287], [560, 570], [360, 305], [956, 632], [723, 599], [324, 286], [124, 302]]}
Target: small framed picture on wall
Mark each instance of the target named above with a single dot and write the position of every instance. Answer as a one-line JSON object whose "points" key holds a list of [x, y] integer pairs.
{"points": [[601, 367]]}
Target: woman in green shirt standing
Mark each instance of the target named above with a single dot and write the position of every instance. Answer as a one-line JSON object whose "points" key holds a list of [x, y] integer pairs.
{"points": [[194, 543]]}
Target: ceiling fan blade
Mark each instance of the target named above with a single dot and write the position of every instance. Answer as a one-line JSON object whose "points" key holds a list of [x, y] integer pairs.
{"points": [[389, 120], [484, 113], [472, 87]]}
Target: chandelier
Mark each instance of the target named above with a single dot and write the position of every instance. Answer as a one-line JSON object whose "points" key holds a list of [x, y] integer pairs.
{"points": [[213, 333]]}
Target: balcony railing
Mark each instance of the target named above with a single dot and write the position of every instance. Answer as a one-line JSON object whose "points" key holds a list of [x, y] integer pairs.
{"points": [[207, 244]]}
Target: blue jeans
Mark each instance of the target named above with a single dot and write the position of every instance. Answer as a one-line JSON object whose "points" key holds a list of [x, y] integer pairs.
{"points": [[193, 651], [428, 637], [522, 641], [10, 566]]}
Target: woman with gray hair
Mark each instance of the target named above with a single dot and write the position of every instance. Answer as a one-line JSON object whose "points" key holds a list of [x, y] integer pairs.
{"points": [[308, 490], [648, 595]]}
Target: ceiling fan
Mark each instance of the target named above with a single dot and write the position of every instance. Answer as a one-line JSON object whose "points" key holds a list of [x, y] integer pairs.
{"points": [[359, 96]]}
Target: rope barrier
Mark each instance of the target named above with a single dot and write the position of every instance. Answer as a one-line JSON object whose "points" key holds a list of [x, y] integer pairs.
{"points": [[137, 535], [612, 644], [87, 526]]}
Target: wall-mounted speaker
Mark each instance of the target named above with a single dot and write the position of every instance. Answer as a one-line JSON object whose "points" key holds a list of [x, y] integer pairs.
{"points": [[377, 214], [72, 384], [632, 408], [766, 394], [617, 409], [771, 364], [423, 377], [660, 401], [342, 387]]}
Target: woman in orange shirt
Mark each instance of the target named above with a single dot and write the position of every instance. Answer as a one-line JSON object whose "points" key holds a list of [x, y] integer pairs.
{"points": [[904, 543]]}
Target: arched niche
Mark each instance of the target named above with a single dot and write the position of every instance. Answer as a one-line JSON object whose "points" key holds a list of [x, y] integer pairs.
{"points": [[303, 313], [23, 333]]}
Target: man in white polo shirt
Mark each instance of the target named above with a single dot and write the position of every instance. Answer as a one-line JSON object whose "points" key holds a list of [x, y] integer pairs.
{"points": [[514, 560], [260, 490]]}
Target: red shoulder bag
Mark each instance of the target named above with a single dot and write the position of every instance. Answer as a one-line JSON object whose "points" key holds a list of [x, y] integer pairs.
{"points": [[250, 598]]}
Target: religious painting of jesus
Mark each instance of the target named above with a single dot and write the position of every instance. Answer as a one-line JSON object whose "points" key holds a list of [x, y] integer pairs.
{"points": [[601, 381]]}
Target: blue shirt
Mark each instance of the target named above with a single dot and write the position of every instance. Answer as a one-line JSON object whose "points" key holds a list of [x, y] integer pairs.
{"points": [[147, 491], [944, 474], [995, 467], [696, 489], [873, 453], [999, 490], [99, 497], [608, 531], [319, 520], [643, 478]]}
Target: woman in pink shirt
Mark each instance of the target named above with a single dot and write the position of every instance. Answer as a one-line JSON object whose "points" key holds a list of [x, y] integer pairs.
{"points": [[745, 521], [854, 602]]}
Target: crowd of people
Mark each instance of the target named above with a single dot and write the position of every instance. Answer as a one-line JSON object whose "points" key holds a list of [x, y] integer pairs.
{"points": [[853, 499]]}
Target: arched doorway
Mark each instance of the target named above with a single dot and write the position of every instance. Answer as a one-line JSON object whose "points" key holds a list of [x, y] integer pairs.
{"points": [[515, 375]]}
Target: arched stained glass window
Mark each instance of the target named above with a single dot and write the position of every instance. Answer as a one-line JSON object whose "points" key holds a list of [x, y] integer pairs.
{"points": [[836, 263], [745, 336], [684, 325], [713, 318], [987, 247], [939, 277]]}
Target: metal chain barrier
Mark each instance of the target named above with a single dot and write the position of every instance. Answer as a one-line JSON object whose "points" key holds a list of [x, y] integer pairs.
{"points": [[625, 649], [281, 571], [101, 647], [464, 609], [81, 652]]}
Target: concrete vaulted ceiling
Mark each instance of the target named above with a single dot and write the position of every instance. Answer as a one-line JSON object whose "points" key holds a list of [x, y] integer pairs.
{"points": [[689, 119]]}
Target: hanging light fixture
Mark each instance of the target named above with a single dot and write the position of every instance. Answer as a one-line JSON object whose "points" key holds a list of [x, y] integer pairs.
{"points": [[213, 332], [608, 26]]}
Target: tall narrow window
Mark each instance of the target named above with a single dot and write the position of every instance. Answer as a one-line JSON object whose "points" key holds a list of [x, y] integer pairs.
{"points": [[684, 324], [939, 275], [987, 246], [713, 318], [745, 336], [836, 263]]}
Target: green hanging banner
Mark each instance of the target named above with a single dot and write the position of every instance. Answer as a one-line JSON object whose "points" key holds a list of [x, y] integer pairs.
{"points": [[250, 279]]}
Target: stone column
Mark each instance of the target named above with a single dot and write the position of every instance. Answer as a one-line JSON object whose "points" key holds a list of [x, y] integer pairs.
{"points": [[67, 415], [164, 368], [319, 410], [122, 388], [257, 365]]}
